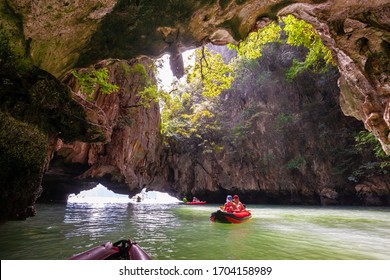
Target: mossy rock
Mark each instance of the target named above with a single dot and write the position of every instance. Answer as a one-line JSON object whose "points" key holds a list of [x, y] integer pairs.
{"points": [[34, 107], [23, 154], [40, 99]]}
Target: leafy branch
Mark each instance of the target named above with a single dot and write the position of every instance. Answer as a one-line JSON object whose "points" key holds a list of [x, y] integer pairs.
{"points": [[212, 72], [94, 80], [299, 33]]}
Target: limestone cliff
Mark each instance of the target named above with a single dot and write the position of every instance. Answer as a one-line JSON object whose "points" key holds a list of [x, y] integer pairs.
{"points": [[129, 158]]}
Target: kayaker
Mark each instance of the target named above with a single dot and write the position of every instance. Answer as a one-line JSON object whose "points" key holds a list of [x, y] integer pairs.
{"points": [[229, 205], [239, 207]]}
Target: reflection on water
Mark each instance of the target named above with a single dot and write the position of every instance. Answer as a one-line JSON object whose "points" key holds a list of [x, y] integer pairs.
{"points": [[172, 231], [95, 220], [155, 225]]}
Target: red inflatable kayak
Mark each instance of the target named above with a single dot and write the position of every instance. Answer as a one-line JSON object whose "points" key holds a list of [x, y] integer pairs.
{"points": [[195, 202], [234, 218], [120, 250]]}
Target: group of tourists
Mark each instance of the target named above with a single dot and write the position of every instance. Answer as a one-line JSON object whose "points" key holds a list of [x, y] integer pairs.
{"points": [[194, 199], [233, 204]]}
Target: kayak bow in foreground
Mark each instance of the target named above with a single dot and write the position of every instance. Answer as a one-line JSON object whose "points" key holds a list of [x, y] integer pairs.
{"points": [[120, 250]]}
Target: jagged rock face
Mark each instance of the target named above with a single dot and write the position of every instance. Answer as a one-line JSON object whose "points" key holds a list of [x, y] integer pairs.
{"points": [[129, 158]]}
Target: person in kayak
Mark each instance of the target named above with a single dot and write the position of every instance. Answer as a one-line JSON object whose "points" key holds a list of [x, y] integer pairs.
{"points": [[239, 207], [229, 206]]}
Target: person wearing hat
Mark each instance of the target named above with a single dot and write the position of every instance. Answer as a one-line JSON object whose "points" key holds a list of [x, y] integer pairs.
{"points": [[229, 206], [239, 207]]}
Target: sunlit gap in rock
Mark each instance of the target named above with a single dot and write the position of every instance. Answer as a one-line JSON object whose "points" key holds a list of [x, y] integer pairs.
{"points": [[154, 197], [164, 73], [100, 194]]}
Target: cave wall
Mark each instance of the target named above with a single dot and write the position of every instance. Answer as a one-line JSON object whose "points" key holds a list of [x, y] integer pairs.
{"points": [[35, 110], [358, 36], [129, 158]]}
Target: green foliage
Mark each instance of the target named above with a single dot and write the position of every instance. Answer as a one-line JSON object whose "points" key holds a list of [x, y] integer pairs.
{"points": [[171, 122], [6, 54], [282, 120], [374, 160], [94, 80], [139, 69], [367, 139], [243, 74], [150, 92], [253, 44], [189, 117], [212, 72], [36, 97], [296, 163], [301, 33], [184, 118], [192, 116], [148, 95]]}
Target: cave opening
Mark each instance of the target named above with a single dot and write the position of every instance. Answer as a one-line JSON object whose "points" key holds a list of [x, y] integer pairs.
{"points": [[101, 195]]}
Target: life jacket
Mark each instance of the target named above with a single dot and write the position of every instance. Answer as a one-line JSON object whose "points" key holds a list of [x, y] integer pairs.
{"points": [[229, 207], [239, 206]]}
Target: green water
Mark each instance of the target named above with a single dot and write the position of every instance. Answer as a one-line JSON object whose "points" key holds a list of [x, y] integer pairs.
{"points": [[180, 232]]}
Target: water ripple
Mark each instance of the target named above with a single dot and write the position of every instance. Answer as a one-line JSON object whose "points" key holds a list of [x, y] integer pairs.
{"points": [[170, 231]]}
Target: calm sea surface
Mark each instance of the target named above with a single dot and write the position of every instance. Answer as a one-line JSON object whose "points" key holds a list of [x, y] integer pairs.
{"points": [[181, 232]]}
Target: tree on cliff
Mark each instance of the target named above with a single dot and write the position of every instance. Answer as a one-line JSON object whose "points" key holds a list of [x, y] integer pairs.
{"points": [[92, 80]]}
